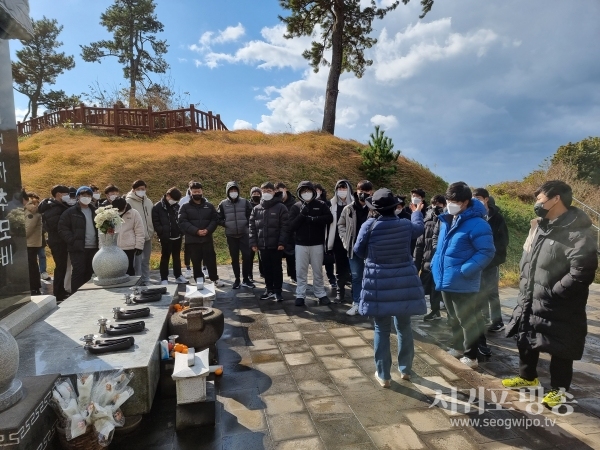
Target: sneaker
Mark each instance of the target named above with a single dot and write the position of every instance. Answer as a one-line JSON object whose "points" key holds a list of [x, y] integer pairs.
{"points": [[44, 276], [181, 280], [455, 353], [299, 302], [278, 297], [187, 273], [433, 315], [324, 300], [442, 305], [236, 284], [472, 363], [164, 282], [248, 283], [382, 382], [205, 271], [353, 311], [554, 398], [405, 376], [267, 295], [485, 350], [333, 284], [291, 281], [519, 383], [497, 327], [338, 298], [219, 283]]}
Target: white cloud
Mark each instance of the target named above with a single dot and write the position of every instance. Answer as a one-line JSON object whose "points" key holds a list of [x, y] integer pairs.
{"points": [[386, 122], [20, 113], [208, 38], [182, 60], [240, 124]]}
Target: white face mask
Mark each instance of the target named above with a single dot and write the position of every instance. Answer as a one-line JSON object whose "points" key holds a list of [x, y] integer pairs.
{"points": [[342, 193], [85, 200], [307, 196], [266, 196], [233, 195], [140, 193], [71, 201], [96, 196], [66, 198], [454, 208], [319, 192], [112, 197], [172, 202], [397, 212], [416, 201]]}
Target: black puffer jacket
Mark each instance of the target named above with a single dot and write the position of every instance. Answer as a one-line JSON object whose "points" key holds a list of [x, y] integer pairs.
{"points": [[234, 214], [164, 219], [556, 272], [194, 217], [269, 224], [424, 249], [500, 232], [51, 210], [71, 228], [309, 220]]}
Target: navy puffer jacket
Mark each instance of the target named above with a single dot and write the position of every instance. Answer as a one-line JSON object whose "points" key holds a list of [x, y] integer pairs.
{"points": [[391, 285], [464, 249]]}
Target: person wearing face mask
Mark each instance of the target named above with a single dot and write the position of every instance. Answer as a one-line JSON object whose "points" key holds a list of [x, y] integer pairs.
{"points": [[76, 227], [268, 236], [348, 225], [95, 196], [465, 246], [234, 213], [288, 201], [423, 255], [309, 219], [131, 235], [198, 219], [342, 197], [72, 201], [559, 261], [139, 201], [166, 225], [51, 210], [33, 232], [255, 197], [402, 211], [111, 191], [329, 263]]}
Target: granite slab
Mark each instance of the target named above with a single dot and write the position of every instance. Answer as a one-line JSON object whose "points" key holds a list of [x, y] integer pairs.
{"points": [[53, 345]]}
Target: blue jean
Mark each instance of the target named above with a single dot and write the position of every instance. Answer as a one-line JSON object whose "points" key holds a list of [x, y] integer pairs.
{"points": [[357, 267], [406, 348], [42, 258]]}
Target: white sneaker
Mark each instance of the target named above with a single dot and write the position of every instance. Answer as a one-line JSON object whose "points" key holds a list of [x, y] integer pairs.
{"points": [[382, 382], [353, 311], [181, 280], [472, 363], [45, 276], [164, 282], [187, 273], [219, 283], [455, 353]]}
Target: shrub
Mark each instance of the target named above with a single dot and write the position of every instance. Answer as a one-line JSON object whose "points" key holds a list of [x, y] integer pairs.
{"points": [[378, 159]]}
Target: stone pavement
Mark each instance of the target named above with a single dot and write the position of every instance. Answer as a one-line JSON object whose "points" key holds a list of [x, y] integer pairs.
{"points": [[303, 378]]}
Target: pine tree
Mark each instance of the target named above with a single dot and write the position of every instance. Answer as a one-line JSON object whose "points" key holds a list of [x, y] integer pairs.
{"points": [[379, 159]]}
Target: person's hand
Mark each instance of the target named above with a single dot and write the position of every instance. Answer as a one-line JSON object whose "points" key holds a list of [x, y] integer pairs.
{"points": [[202, 232], [138, 252], [280, 247], [255, 248], [418, 207]]}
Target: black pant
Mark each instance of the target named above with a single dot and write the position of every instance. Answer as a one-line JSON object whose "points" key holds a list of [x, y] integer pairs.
{"points": [[237, 245], [468, 321], [170, 249], [81, 263], [260, 267], [186, 257], [272, 269], [290, 262], [131, 257], [342, 265], [561, 369], [60, 256], [204, 252], [34, 269]]}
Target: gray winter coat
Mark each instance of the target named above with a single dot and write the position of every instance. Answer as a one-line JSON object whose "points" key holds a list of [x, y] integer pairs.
{"points": [[234, 214]]}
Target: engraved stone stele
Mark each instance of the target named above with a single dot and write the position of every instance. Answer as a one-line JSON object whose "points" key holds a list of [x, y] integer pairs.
{"points": [[14, 288], [110, 262]]}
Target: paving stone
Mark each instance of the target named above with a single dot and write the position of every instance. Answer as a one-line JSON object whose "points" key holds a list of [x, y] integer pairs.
{"points": [[347, 377], [264, 356], [505, 445], [327, 350], [352, 341], [291, 426], [317, 389], [340, 429], [397, 436], [449, 441], [278, 319], [337, 362], [367, 365], [360, 352], [242, 421], [295, 359], [319, 338], [272, 368], [328, 406], [432, 385], [310, 372], [342, 332], [247, 441], [369, 335], [284, 327], [283, 403], [238, 381], [591, 404], [313, 443], [294, 347], [427, 420], [263, 344], [310, 328], [288, 336], [276, 385], [242, 399]]}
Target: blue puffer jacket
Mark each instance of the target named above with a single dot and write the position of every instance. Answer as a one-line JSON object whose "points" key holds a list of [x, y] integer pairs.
{"points": [[391, 285], [463, 250]]}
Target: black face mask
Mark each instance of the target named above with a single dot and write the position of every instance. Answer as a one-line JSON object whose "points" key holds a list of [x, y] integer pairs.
{"points": [[197, 196], [439, 210], [539, 210], [256, 198], [362, 196]]}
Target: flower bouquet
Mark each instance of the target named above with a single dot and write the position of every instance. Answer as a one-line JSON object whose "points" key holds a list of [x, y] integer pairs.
{"points": [[107, 218]]}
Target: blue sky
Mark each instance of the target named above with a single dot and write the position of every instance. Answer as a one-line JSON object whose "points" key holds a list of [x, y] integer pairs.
{"points": [[477, 91]]}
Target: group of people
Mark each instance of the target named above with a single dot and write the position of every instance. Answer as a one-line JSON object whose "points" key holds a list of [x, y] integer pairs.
{"points": [[391, 250]]}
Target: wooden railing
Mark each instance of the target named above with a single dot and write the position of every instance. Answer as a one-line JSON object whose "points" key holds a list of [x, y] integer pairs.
{"points": [[118, 120]]}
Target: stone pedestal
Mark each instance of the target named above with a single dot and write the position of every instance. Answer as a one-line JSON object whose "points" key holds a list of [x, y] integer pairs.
{"points": [[200, 414], [31, 423]]}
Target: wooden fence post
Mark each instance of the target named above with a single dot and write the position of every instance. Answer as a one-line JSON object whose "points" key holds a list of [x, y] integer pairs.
{"points": [[193, 118], [82, 113], [116, 119], [219, 126], [150, 122], [210, 120]]}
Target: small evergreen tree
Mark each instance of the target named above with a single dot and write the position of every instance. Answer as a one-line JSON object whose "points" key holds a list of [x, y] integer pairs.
{"points": [[379, 159]]}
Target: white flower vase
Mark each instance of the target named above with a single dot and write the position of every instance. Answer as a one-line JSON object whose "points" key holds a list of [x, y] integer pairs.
{"points": [[110, 262]]}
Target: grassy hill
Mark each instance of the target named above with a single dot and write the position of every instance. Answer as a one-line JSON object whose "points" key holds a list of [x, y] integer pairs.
{"points": [[80, 157]]}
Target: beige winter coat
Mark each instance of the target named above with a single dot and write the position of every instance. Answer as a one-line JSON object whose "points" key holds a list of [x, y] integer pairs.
{"points": [[144, 207], [33, 229], [131, 233]]}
